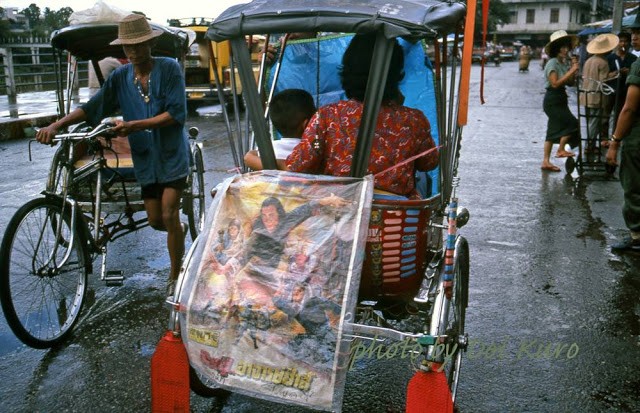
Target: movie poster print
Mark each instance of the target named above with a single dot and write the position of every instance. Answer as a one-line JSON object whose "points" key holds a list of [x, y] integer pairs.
{"points": [[278, 271]]}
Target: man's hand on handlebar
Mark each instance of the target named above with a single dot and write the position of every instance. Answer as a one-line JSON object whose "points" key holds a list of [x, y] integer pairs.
{"points": [[122, 128], [45, 135]]}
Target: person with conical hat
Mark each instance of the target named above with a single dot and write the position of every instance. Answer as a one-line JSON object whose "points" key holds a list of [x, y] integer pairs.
{"points": [[594, 76], [560, 71], [625, 143], [150, 94]]}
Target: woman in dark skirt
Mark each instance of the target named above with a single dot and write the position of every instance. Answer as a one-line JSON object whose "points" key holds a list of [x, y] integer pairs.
{"points": [[562, 127]]}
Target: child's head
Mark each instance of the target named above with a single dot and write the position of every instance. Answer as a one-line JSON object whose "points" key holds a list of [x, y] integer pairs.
{"points": [[234, 228], [290, 110]]}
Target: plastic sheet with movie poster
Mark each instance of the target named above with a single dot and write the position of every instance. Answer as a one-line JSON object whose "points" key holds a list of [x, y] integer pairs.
{"points": [[273, 285]]}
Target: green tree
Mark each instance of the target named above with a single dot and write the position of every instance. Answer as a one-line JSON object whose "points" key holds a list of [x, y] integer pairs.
{"points": [[54, 20], [32, 13], [498, 15]]}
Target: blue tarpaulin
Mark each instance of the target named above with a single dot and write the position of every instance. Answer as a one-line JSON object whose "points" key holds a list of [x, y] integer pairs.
{"points": [[608, 27]]}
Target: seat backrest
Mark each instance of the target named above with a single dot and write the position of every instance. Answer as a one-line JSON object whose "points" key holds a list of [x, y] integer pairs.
{"points": [[118, 156], [396, 253]]}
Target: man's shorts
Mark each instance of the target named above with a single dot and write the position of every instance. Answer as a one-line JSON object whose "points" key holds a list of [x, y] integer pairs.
{"points": [[154, 191]]}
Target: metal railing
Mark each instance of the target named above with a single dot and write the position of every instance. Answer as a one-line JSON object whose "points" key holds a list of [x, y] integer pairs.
{"points": [[31, 67]]}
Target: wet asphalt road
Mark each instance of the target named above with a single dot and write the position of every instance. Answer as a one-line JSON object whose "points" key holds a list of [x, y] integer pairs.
{"points": [[554, 316]]}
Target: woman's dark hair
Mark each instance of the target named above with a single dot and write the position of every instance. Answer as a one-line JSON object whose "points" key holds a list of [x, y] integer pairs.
{"points": [[555, 47], [356, 61]]}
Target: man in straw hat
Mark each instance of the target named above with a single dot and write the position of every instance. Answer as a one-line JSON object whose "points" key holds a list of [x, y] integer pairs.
{"points": [[595, 74], [150, 94], [562, 126], [627, 136]]}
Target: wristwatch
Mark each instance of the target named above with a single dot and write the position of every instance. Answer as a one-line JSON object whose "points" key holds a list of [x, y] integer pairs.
{"points": [[614, 138]]}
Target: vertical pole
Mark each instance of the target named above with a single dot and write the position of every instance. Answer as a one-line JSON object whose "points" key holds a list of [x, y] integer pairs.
{"points": [[618, 8], [254, 105], [35, 60], [371, 106], [10, 80]]}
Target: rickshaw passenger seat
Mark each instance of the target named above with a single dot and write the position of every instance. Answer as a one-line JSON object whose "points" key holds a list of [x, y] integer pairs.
{"points": [[396, 253], [118, 159]]}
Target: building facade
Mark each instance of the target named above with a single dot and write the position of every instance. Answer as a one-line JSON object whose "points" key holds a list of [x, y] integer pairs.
{"points": [[532, 22]]}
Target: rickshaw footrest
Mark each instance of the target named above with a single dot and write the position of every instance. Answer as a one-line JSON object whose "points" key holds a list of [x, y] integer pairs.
{"points": [[114, 277]]}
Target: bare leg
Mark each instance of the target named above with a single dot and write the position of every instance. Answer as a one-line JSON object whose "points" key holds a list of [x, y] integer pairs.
{"points": [[546, 163], [164, 215], [562, 151]]}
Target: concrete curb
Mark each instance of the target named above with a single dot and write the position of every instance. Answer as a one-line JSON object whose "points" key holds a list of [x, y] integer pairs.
{"points": [[23, 127]]}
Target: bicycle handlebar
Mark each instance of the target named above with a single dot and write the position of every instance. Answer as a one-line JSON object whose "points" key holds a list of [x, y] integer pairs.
{"points": [[104, 129]]}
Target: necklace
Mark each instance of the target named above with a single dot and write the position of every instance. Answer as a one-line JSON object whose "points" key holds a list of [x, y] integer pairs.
{"points": [[146, 97]]}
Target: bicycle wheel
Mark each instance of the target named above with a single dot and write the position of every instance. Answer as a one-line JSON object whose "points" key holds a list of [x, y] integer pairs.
{"points": [[454, 327], [43, 280], [194, 206]]}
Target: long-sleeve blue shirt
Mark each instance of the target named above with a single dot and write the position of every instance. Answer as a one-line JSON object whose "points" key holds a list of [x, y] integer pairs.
{"points": [[159, 155]]}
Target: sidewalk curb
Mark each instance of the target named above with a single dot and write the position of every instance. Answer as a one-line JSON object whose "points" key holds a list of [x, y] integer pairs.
{"points": [[21, 128]]}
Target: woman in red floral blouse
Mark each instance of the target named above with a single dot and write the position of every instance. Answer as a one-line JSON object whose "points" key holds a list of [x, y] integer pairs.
{"points": [[329, 140]]}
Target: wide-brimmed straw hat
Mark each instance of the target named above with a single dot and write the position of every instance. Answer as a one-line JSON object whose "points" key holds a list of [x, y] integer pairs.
{"points": [[603, 43], [135, 29], [561, 35]]}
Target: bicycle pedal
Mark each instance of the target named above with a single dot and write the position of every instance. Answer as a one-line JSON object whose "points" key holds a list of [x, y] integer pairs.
{"points": [[114, 278]]}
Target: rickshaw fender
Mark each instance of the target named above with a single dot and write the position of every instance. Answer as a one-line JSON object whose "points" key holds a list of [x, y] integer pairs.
{"points": [[83, 230]]}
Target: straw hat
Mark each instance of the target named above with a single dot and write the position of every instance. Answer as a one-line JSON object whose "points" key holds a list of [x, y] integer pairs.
{"points": [[135, 29], [603, 43], [558, 36]]}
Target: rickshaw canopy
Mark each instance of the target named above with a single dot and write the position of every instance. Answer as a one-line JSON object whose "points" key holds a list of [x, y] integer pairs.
{"points": [[405, 18], [411, 20], [91, 41]]}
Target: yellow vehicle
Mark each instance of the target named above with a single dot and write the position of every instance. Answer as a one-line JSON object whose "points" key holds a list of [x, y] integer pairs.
{"points": [[199, 66]]}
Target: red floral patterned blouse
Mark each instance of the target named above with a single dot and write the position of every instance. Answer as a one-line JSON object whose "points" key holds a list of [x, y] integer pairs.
{"points": [[401, 133]]}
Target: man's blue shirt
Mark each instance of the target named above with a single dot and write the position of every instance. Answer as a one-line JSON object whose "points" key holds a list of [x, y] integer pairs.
{"points": [[159, 155]]}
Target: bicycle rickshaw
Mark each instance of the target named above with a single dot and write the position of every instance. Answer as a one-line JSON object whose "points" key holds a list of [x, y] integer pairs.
{"points": [[372, 265], [592, 97], [91, 198]]}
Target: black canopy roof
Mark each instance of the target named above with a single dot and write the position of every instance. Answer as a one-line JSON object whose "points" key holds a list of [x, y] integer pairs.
{"points": [[406, 18], [91, 41]]}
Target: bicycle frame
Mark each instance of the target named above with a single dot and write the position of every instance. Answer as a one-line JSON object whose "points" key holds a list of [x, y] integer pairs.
{"points": [[71, 177]]}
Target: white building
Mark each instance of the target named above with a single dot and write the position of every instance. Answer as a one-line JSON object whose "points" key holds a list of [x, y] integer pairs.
{"points": [[533, 21]]}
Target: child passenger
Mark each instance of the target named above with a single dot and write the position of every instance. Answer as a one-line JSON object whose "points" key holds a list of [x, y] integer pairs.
{"points": [[290, 111]]}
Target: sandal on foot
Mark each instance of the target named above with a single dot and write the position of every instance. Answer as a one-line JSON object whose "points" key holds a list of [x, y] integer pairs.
{"points": [[550, 168], [565, 154]]}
